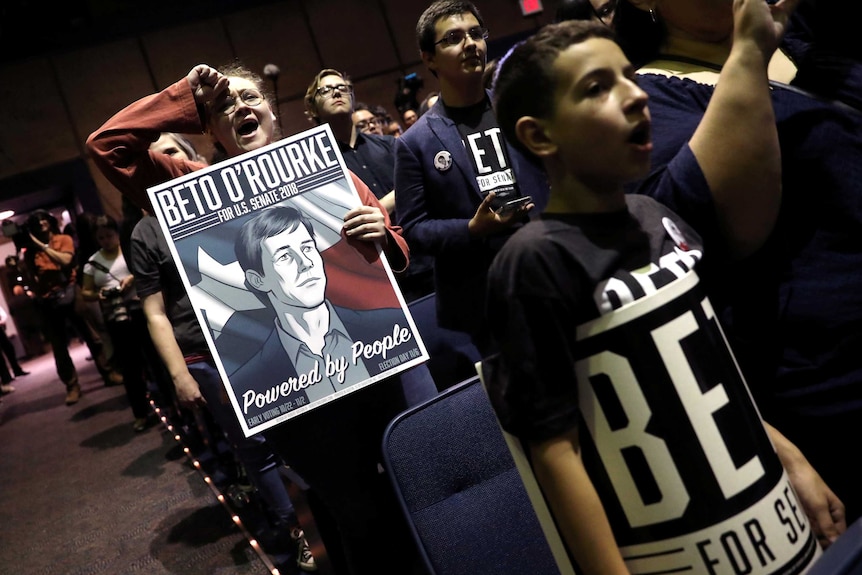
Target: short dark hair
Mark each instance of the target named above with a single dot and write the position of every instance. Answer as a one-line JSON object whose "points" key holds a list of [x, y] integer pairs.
{"points": [[311, 92], [525, 84], [34, 219], [267, 223], [425, 32], [381, 112], [105, 222]]}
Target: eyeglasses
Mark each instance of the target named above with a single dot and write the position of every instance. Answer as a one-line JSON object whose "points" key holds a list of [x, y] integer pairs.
{"points": [[455, 37], [361, 125], [325, 91], [227, 106]]}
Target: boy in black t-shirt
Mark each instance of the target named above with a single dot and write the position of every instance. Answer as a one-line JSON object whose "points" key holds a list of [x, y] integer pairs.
{"points": [[569, 98]]}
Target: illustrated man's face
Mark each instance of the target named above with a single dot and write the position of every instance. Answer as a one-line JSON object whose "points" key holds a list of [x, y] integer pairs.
{"points": [[292, 269]]}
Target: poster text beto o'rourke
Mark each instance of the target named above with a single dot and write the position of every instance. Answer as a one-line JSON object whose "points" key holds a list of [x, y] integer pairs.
{"points": [[248, 184]]}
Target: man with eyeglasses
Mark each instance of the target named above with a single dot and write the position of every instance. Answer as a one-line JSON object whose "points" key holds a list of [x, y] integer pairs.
{"points": [[453, 165], [365, 120], [329, 99], [371, 156]]}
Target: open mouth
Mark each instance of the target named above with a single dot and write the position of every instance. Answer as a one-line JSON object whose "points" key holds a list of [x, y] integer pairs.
{"points": [[641, 135], [247, 127]]}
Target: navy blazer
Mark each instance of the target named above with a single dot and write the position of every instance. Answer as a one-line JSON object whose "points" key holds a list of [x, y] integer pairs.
{"points": [[434, 205]]}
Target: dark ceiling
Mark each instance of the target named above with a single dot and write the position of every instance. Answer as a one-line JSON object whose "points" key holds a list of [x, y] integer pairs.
{"points": [[30, 29]]}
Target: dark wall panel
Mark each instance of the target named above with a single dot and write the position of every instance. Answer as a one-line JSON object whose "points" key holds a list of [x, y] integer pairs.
{"points": [[402, 19], [36, 130], [172, 52], [98, 81], [284, 40], [352, 36], [293, 117]]}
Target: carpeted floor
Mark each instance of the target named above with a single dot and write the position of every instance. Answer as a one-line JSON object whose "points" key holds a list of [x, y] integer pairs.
{"points": [[81, 493]]}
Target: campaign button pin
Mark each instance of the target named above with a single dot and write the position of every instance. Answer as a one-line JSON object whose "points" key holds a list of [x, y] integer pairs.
{"points": [[675, 233], [443, 160]]}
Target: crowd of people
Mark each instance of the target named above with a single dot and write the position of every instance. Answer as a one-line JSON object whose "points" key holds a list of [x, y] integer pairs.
{"points": [[589, 169]]}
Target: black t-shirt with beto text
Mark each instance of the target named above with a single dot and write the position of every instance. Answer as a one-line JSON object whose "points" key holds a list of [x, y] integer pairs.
{"points": [[486, 149]]}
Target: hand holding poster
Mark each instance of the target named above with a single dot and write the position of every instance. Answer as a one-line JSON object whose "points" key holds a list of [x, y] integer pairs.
{"points": [[295, 315]]}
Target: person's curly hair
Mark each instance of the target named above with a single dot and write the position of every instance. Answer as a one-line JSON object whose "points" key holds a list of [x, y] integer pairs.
{"points": [[238, 70]]}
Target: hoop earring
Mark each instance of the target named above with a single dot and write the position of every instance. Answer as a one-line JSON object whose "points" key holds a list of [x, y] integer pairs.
{"points": [[653, 16]]}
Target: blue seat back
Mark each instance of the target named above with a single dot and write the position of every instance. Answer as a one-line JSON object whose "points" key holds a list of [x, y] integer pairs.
{"points": [[460, 490], [844, 557], [452, 353]]}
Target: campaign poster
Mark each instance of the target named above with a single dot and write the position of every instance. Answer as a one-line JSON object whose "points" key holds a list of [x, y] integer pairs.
{"points": [[295, 315]]}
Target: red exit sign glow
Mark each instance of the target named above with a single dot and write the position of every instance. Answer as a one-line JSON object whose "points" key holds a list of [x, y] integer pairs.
{"points": [[530, 7]]}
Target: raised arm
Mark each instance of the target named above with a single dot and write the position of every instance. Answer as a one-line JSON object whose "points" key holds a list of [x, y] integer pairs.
{"points": [[736, 143], [120, 147], [63, 254]]}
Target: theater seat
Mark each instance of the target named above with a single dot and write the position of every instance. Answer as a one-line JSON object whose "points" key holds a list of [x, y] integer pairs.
{"points": [[460, 490], [844, 557], [452, 353]]}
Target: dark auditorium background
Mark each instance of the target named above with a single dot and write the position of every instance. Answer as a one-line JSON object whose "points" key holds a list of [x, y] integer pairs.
{"points": [[67, 67]]}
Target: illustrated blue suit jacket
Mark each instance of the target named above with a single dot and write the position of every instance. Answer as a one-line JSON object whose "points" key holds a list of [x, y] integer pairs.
{"points": [[271, 365], [435, 203]]}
